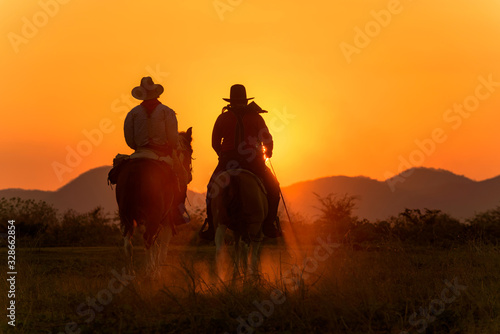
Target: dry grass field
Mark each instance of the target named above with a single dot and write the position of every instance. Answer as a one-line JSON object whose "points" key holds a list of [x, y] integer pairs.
{"points": [[321, 289]]}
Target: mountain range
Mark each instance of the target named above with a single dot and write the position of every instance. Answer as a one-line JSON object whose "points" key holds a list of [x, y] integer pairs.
{"points": [[417, 188]]}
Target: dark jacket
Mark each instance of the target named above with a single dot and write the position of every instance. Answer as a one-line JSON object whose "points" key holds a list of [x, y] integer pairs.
{"points": [[242, 133]]}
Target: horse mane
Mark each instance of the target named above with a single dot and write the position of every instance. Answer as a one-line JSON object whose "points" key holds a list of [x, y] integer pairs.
{"points": [[187, 139]]}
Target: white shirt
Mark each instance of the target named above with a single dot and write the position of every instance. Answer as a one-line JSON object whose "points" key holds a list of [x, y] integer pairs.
{"points": [[160, 128]]}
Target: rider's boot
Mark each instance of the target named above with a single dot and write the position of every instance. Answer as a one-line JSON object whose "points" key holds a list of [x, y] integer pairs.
{"points": [[179, 214], [270, 226], [209, 233], [183, 215], [270, 229]]}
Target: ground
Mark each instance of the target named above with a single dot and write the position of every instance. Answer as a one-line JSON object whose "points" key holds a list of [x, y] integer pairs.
{"points": [[337, 289]]}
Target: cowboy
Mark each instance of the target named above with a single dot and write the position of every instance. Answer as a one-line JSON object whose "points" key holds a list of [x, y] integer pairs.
{"points": [[151, 130], [240, 137]]}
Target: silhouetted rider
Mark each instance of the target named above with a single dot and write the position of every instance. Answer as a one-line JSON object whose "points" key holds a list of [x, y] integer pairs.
{"points": [[151, 130], [240, 137]]}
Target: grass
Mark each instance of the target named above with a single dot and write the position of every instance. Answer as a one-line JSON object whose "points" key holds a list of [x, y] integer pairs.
{"points": [[347, 291]]}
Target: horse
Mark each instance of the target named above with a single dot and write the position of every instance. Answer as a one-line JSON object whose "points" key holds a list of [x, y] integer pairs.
{"points": [[239, 202], [145, 193]]}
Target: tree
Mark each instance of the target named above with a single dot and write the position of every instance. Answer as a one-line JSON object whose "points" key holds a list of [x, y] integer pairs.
{"points": [[336, 213], [429, 227], [87, 229], [485, 226], [32, 218]]}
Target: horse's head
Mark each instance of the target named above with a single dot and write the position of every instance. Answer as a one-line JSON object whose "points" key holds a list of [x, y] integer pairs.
{"points": [[186, 151]]}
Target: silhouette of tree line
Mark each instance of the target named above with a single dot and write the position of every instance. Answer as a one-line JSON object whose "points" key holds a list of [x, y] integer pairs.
{"points": [[412, 226], [39, 224]]}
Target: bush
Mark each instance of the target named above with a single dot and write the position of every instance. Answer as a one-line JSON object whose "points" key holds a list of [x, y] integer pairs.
{"points": [[32, 218], [485, 226], [38, 224], [432, 227], [367, 232], [412, 226], [89, 229], [336, 214]]}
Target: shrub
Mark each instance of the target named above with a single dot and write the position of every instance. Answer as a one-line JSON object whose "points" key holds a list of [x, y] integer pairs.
{"points": [[336, 214], [485, 226]]}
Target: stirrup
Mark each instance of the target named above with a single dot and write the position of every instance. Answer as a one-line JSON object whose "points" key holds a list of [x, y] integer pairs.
{"points": [[271, 230], [209, 233], [180, 218]]}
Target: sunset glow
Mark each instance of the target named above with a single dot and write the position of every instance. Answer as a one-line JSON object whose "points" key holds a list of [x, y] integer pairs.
{"points": [[352, 87]]}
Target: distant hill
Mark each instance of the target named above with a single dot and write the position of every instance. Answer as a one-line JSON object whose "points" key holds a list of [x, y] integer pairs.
{"points": [[84, 193], [421, 188]]}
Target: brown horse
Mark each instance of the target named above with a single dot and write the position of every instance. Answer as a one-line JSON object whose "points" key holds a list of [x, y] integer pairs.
{"points": [[145, 192], [239, 203]]}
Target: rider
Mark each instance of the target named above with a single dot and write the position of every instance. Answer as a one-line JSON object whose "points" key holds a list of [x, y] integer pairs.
{"points": [[151, 130], [240, 137]]}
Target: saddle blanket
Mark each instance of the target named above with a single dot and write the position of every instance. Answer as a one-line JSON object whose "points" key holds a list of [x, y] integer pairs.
{"points": [[139, 154], [148, 154], [246, 171]]}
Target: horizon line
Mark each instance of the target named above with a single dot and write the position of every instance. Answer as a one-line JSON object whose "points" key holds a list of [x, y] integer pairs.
{"points": [[289, 185]]}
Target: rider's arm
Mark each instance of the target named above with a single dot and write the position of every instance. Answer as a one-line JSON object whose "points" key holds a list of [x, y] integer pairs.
{"points": [[128, 129], [217, 136], [171, 128], [265, 137]]}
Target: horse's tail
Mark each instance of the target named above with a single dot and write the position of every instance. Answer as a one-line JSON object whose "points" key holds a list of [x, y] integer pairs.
{"points": [[127, 222], [141, 199], [129, 214], [232, 197]]}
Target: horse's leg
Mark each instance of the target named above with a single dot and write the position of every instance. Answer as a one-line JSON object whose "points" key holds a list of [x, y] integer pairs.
{"points": [[163, 242], [152, 256], [219, 246], [255, 258], [236, 256], [127, 247], [157, 252], [240, 257], [244, 257]]}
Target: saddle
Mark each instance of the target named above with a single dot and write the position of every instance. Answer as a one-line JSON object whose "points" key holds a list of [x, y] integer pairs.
{"points": [[118, 162], [234, 203], [121, 160], [246, 171]]}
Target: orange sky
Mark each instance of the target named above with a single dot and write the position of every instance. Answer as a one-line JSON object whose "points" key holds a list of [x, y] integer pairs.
{"points": [[341, 102]]}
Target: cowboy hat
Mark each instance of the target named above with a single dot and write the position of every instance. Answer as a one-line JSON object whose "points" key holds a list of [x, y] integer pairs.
{"points": [[237, 94], [147, 90]]}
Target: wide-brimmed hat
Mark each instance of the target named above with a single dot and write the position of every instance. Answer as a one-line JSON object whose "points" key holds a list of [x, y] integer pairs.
{"points": [[147, 90], [238, 94]]}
